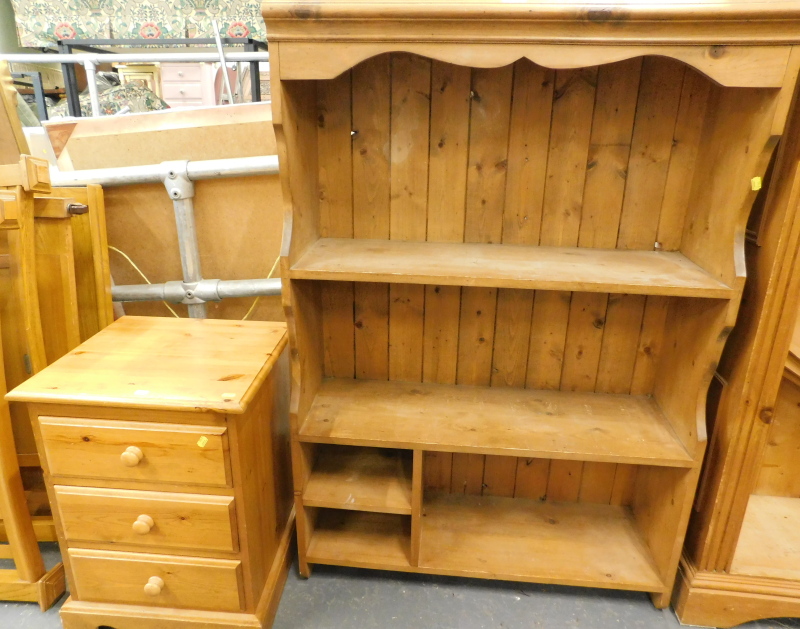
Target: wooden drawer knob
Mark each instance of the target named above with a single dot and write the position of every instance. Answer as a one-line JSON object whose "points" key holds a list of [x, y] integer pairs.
{"points": [[154, 586], [143, 524], [132, 456]]}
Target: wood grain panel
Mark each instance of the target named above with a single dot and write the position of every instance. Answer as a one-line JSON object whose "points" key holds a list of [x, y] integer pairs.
{"points": [[490, 115], [371, 201], [334, 125], [190, 521], [92, 448], [570, 133], [606, 174], [780, 467], [411, 93], [188, 582], [447, 191], [656, 114], [514, 155], [685, 145]]}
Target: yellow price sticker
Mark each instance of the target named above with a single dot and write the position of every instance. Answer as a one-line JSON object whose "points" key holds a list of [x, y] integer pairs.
{"points": [[202, 441], [755, 183]]}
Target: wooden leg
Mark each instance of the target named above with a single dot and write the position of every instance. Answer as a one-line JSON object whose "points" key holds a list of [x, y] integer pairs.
{"points": [[660, 599], [19, 529]]}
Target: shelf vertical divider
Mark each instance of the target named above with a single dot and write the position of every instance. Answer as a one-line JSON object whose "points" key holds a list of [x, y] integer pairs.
{"points": [[416, 506]]}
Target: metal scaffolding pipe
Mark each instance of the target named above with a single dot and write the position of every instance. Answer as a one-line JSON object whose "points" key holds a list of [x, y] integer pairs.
{"points": [[223, 65], [154, 173], [91, 80], [204, 290], [248, 288]]}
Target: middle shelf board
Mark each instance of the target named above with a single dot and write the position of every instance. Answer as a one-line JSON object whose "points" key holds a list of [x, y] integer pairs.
{"points": [[508, 266], [494, 420]]}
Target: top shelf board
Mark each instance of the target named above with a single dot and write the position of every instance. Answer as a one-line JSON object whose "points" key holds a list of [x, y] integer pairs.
{"points": [[508, 266]]}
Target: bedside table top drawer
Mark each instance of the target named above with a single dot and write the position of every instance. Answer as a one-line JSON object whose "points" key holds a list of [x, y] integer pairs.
{"points": [[147, 518], [156, 580], [135, 451], [181, 72]]}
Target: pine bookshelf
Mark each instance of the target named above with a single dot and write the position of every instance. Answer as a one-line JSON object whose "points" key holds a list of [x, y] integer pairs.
{"points": [[512, 256]]}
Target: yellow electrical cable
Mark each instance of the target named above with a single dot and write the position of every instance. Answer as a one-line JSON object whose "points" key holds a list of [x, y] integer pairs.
{"points": [[255, 301], [144, 277]]}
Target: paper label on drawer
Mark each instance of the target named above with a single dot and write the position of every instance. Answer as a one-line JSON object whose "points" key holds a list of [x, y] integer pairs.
{"points": [[202, 441]]}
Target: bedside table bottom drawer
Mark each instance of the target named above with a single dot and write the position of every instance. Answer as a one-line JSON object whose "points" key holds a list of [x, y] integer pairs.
{"points": [[156, 580], [147, 518]]}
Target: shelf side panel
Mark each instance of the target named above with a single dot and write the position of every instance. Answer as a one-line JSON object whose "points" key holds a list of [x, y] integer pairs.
{"points": [[736, 146], [662, 504]]}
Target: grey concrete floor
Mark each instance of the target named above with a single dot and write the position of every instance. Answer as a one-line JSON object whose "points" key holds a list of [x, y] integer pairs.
{"points": [[343, 598]]}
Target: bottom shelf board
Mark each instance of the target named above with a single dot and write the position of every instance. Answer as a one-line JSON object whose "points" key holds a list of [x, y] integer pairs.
{"points": [[769, 542], [361, 539], [510, 539], [544, 542]]}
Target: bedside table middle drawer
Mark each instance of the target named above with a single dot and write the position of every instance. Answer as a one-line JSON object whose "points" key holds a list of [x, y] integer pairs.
{"points": [[136, 451], [148, 518]]}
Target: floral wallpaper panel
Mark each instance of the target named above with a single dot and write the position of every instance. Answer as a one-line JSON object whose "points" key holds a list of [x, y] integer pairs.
{"points": [[41, 23]]}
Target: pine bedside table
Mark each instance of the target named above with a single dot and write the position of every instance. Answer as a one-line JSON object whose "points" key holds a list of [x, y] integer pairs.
{"points": [[165, 446]]}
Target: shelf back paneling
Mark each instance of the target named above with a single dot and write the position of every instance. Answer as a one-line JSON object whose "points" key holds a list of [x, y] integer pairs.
{"points": [[466, 342], [600, 157], [779, 473], [518, 154]]}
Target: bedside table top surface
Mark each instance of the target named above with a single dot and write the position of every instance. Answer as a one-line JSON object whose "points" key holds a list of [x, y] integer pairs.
{"points": [[163, 363]]}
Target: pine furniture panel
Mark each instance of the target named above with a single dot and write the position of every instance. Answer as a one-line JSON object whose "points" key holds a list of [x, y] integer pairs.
{"points": [[177, 582], [360, 539], [164, 501], [167, 452], [524, 540], [505, 266], [769, 544], [148, 518], [559, 217], [362, 479], [491, 420], [738, 564]]}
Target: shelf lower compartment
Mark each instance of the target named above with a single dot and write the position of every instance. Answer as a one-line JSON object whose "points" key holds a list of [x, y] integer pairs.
{"points": [[510, 539], [769, 542], [360, 539], [508, 266], [362, 479], [485, 420], [527, 540]]}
